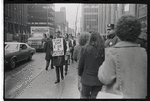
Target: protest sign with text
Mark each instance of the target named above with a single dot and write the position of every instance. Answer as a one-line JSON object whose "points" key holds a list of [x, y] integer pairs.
{"points": [[58, 49]]}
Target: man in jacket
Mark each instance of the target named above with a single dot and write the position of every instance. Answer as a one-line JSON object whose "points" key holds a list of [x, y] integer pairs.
{"points": [[59, 61], [48, 48], [68, 50], [111, 37], [73, 42]]}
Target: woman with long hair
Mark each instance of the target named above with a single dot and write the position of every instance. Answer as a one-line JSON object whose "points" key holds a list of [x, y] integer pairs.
{"points": [[92, 56]]}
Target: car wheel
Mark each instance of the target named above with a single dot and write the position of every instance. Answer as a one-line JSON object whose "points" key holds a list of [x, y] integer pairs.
{"points": [[30, 58], [12, 63]]}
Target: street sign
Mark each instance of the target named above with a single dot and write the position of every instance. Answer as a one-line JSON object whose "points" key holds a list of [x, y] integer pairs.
{"points": [[58, 49]]}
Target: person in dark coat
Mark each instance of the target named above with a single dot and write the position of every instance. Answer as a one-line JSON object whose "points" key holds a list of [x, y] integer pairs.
{"points": [[112, 39], [69, 47], [83, 39], [48, 48], [140, 42], [59, 61], [74, 44], [92, 56]]}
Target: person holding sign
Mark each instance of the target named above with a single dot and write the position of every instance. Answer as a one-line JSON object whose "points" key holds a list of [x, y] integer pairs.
{"points": [[59, 51]]}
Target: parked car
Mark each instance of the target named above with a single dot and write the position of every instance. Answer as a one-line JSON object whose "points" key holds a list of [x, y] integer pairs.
{"points": [[16, 52]]}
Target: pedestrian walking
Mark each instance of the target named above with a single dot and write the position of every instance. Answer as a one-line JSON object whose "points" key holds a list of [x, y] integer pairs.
{"points": [[111, 37], [48, 48], [124, 70], [59, 61], [67, 56], [83, 39], [73, 45], [92, 56]]}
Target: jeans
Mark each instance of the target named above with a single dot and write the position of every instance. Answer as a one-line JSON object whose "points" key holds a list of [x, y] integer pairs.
{"points": [[57, 72], [90, 92]]}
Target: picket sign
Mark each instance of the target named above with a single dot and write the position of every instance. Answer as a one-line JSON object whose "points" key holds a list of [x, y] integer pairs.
{"points": [[58, 49]]}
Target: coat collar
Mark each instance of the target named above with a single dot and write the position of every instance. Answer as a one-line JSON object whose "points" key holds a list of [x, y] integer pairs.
{"points": [[126, 44]]}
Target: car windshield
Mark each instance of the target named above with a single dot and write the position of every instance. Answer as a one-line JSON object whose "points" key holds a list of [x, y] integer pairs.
{"points": [[11, 47]]}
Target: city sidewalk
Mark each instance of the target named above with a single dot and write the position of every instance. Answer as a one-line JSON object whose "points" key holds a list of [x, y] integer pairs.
{"points": [[43, 86]]}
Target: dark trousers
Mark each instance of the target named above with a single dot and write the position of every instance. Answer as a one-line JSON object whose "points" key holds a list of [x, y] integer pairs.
{"points": [[57, 72], [72, 55], [66, 66], [90, 92], [47, 63]]}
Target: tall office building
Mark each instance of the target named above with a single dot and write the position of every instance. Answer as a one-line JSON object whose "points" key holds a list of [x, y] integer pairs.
{"points": [[110, 13], [89, 17], [15, 19], [41, 15], [60, 20]]}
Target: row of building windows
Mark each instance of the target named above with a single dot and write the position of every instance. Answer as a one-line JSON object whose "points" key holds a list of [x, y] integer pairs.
{"points": [[90, 5], [40, 19], [11, 11], [90, 16], [90, 25], [90, 10], [41, 8]]}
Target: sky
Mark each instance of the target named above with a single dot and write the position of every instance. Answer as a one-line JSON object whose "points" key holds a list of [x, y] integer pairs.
{"points": [[71, 11]]}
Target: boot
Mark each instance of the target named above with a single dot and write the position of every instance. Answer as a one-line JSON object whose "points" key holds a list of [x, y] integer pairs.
{"points": [[57, 81], [46, 69]]}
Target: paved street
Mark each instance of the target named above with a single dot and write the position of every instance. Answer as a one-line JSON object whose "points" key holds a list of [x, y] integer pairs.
{"points": [[30, 80]]}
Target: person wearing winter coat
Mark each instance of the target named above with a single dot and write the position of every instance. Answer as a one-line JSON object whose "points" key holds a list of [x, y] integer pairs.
{"points": [[67, 56], [48, 48], [83, 39], [92, 56], [140, 41], [59, 61], [124, 71]]}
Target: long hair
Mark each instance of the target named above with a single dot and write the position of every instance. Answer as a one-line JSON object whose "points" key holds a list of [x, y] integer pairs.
{"points": [[84, 38], [97, 41]]}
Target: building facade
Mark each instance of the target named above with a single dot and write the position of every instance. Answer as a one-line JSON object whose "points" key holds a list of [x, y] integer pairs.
{"points": [[110, 13], [41, 15], [15, 22], [60, 20], [89, 18]]}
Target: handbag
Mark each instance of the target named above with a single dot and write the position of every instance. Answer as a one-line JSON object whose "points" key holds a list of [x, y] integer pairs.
{"points": [[105, 95]]}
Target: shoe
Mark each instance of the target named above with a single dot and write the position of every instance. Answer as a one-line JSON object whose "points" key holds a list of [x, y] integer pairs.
{"points": [[52, 68], [57, 81], [62, 78], [66, 73], [46, 69]]}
